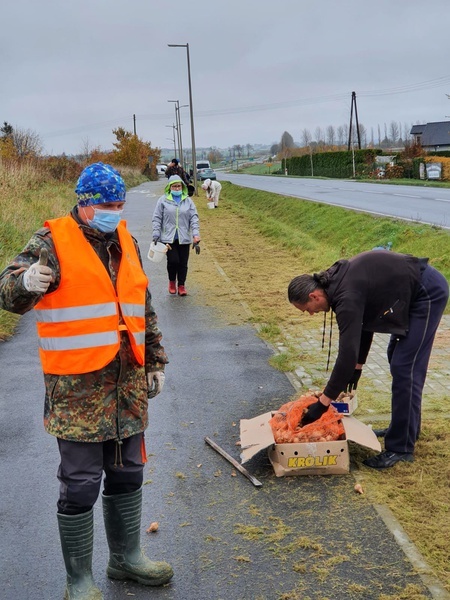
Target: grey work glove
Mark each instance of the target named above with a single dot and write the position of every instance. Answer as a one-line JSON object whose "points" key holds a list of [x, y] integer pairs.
{"points": [[196, 247], [38, 277], [155, 381]]}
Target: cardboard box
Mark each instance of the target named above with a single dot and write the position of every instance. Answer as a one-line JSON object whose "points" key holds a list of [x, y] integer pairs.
{"points": [[308, 458], [346, 404]]}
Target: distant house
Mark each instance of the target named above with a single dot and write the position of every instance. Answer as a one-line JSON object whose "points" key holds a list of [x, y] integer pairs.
{"points": [[432, 136]]}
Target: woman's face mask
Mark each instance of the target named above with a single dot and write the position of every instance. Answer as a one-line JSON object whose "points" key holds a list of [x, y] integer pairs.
{"points": [[104, 220], [176, 190]]}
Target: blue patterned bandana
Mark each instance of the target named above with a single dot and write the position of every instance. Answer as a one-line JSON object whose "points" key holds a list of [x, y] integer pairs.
{"points": [[100, 183]]}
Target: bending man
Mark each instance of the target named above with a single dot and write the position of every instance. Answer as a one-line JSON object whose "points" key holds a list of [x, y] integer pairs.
{"points": [[382, 292]]}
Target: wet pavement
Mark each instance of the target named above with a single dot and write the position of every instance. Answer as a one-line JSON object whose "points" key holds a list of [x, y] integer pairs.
{"points": [[294, 538]]}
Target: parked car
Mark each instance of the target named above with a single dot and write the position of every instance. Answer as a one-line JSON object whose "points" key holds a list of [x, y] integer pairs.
{"points": [[203, 174], [161, 169]]}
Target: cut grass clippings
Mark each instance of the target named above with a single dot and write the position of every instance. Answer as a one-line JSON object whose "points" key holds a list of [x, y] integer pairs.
{"points": [[261, 241]]}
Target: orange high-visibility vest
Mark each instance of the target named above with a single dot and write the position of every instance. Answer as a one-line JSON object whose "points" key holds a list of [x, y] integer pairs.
{"points": [[78, 324]]}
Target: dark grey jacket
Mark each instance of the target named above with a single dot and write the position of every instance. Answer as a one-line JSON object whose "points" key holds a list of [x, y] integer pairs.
{"points": [[371, 292]]}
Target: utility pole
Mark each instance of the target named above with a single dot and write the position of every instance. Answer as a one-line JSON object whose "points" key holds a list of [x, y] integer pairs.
{"points": [[134, 124], [178, 122], [191, 108], [181, 137], [350, 132]]}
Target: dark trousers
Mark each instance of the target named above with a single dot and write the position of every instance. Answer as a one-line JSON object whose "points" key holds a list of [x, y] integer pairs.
{"points": [[83, 464], [177, 262], [408, 358]]}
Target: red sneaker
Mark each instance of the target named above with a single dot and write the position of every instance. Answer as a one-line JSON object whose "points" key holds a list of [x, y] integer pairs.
{"points": [[172, 287], [182, 290]]}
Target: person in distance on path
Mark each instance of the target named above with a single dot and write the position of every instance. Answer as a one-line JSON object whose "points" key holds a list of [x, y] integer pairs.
{"points": [[176, 223], [379, 292], [174, 168]]}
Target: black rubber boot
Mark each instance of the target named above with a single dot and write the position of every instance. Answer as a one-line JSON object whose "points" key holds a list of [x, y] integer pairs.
{"points": [[77, 542], [122, 514]]}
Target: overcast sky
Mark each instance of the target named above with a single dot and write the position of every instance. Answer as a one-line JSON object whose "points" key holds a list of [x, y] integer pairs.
{"points": [[73, 71]]}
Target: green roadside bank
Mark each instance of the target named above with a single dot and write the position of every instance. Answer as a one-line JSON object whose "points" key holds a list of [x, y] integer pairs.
{"points": [[260, 241]]}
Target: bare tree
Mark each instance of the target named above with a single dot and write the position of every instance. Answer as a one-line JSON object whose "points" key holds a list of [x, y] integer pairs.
{"points": [[393, 132], [407, 132], [331, 135], [27, 143], [306, 137], [86, 149], [346, 129], [237, 149], [340, 136], [362, 135], [214, 155], [318, 135]]}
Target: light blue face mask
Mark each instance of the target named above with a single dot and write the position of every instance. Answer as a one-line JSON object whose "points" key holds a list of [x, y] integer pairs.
{"points": [[176, 193], [105, 221]]}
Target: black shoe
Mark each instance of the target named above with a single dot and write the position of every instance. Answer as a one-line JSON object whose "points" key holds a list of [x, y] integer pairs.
{"points": [[387, 459], [380, 432]]}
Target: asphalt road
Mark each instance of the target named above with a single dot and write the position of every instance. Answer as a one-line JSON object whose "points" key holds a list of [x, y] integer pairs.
{"points": [[309, 537], [427, 205]]}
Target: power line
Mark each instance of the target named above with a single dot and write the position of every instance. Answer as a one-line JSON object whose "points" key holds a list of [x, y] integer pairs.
{"points": [[423, 85]]}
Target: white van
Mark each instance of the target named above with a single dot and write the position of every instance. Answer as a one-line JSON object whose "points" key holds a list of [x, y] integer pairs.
{"points": [[203, 164], [161, 169]]}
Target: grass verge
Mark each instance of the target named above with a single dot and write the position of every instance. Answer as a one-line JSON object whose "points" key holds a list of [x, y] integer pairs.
{"points": [[262, 240]]}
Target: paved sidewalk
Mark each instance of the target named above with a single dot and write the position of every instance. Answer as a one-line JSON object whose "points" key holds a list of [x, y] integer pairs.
{"points": [[377, 368]]}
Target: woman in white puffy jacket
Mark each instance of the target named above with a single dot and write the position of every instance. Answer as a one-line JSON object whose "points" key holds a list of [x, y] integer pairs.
{"points": [[212, 189]]}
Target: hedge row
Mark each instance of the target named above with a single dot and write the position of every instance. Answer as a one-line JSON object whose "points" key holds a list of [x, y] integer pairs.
{"points": [[332, 164]]}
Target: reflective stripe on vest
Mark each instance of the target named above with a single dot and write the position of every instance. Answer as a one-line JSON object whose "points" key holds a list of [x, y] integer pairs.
{"points": [[75, 313], [78, 324], [77, 342]]}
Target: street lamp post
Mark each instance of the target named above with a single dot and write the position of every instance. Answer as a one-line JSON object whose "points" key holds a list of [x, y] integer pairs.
{"points": [[173, 139], [177, 120], [191, 107], [180, 140]]}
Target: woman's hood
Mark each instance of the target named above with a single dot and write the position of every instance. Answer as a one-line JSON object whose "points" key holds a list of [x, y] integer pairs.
{"points": [[175, 179]]}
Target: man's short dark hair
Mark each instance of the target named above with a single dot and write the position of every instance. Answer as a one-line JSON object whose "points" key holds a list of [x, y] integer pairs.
{"points": [[175, 161]]}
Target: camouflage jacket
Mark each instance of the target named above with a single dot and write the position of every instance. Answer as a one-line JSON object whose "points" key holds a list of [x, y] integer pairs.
{"points": [[110, 403]]}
